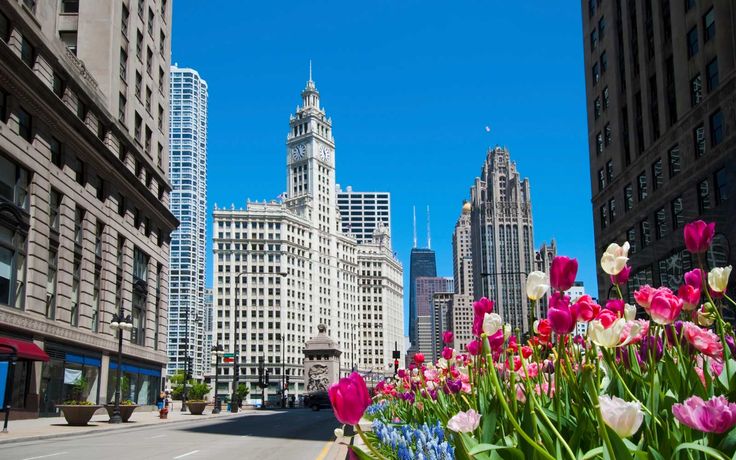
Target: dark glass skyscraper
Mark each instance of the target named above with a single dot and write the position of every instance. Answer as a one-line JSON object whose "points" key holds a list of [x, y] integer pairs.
{"points": [[422, 263]]}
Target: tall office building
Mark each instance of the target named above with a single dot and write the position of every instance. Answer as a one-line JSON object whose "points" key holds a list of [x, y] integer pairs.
{"points": [[660, 95], [422, 262], [542, 263], [188, 173], [442, 304], [502, 234], [426, 320], [285, 267], [84, 194], [461, 308], [209, 328], [361, 213]]}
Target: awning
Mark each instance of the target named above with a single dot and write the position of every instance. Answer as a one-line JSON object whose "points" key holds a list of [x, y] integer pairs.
{"points": [[22, 349]]}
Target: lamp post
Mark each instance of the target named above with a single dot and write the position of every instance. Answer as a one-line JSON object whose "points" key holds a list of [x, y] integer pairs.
{"points": [[217, 352], [187, 359], [119, 323], [236, 351], [283, 371]]}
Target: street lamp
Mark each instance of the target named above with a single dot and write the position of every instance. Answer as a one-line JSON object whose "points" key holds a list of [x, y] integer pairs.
{"points": [[119, 323], [236, 351], [217, 352]]}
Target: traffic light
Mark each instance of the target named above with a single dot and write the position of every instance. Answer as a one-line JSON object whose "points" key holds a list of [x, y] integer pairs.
{"points": [[267, 376], [396, 366], [287, 380]]}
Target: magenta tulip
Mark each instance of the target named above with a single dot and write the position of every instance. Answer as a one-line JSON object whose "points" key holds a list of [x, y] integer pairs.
{"points": [[349, 398], [480, 308], [447, 337], [586, 309], [690, 297], [563, 272], [716, 415], [560, 316], [694, 278], [699, 235], [622, 277], [474, 347], [617, 306]]}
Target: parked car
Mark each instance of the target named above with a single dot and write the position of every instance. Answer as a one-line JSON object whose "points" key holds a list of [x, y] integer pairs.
{"points": [[317, 400]]}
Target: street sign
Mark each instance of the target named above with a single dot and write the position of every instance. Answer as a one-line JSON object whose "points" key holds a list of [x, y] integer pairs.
{"points": [[229, 355]]}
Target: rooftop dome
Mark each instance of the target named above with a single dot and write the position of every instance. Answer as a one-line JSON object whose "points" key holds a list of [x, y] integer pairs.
{"points": [[466, 207]]}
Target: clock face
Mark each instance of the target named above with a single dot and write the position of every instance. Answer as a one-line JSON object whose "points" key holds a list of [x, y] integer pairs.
{"points": [[297, 153], [324, 152]]}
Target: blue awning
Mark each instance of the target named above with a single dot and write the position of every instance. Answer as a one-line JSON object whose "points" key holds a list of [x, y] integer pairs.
{"points": [[84, 360], [136, 370]]}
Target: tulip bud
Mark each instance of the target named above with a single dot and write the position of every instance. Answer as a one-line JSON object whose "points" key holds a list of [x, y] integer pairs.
{"points": [[718, 278]]}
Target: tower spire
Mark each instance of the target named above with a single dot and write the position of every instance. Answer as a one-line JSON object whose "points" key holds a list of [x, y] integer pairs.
{"points": [[429, 235], [414, 208], [310, 70]]}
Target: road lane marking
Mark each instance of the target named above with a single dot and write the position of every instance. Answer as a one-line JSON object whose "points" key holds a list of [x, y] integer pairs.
{"points": [[324, 451], [45, 456], [187, 454], [157, 436]]}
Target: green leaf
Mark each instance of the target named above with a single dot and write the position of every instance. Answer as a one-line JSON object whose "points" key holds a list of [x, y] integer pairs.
{"points": [[488, 425], [709, 451], [592, 453], [485, 448], [511, 454], [728, 443], [361, 454], [620, 450], [655, 454], [726, 377]]}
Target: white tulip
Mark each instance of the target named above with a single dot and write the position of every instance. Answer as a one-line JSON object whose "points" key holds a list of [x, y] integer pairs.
{"points": [[718, 278], [537, 284], [492, 323], [506, 331], [623, 417], [629, 312], [603, 337], [615, 258]]}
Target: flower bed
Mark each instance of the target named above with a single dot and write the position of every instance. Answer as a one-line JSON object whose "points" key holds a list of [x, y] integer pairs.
{"points": [[656, 386]]}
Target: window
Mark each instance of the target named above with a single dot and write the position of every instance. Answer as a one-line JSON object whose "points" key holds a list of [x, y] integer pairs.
{"points": [[609, 171], [27, 52], [122, 107], [594, 39], [602, 26], [162, 44], [138, 85], [631, 238], [141, 8], [14, 184], [696, 90], [79, 172], [711, 74], [51, 277], [720, 186], [657, 178], [12, 267], [76, 279], [57, 153], [124, 21], [603, 217], [150, 22], [25, 125], [139, 45], [138, 126], [591, 7], [140, 278], [58, 86], [709, 25], [674, 160], [597, 108], [596, 72], [716, 128], [161, 80], [608, 134], [604, 62], [123, 65], [699, 140], [678, 220], [69, 38], [148, 139], [605, 98], [601, 180], [612, 209], [149, 61], [689, 4], [642, 180], [599, 143], [79, 226], [628, 197], [70, 6], [160, 118], [692, 42], [81, 110], [646, 237], [703, 196], [4, 28], [148, 99], [121, 205], [660, 228]]}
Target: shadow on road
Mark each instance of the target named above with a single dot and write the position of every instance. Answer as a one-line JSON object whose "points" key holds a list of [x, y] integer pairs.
{"points": [[298, 424]]}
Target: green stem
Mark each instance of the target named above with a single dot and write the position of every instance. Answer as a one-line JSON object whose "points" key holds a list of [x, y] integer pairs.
{"points": [[552, 426], [369, 445]]}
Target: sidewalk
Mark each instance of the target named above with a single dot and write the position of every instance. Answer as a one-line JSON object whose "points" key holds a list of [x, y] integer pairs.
{"points": [[55, 427]]}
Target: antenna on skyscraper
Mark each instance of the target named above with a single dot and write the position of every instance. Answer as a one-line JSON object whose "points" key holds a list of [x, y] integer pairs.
{"points": [[414, 208], [429, 235], [310, 70]]}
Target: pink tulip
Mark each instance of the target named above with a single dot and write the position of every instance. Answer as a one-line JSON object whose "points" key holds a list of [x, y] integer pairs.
{"points": [[703, 340], [496, 341], [622, 277], [694, 278], [419, 358], [586, 309], [563, 272], [607, 318], [664, 307], [699, 235], [474, 347], [643, 295], [447, 353], [617, 306], [447, 337], [349, 398], [690, 297], [716, 415], [480, 308], [559, 314]]}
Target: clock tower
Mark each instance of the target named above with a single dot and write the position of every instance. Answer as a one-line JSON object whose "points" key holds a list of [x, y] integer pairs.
{"points": [[310, 161]]}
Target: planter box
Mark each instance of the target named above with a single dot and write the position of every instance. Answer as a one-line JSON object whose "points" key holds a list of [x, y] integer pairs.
{"points": [[78, 415], [125, 411], [196, 407]]}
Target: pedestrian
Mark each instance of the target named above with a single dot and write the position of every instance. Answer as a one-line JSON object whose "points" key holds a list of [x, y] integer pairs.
{"points": [[160, 402]]}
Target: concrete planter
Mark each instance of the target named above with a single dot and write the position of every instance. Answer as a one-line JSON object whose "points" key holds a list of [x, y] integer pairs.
{"points": [[78, 415], [125, 411], [196, 407]]}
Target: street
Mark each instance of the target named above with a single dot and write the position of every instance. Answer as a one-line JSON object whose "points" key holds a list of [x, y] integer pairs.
{"points": [[294, 434]]}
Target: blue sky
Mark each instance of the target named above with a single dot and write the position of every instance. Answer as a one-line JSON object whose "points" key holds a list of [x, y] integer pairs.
{"points": [[410, 87]]}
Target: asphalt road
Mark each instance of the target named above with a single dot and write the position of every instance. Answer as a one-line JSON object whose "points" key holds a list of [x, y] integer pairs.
{"points": [[279, 435]]}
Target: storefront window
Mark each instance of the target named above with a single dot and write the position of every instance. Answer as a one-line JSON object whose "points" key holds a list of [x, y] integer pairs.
{"points": [[138, 384], [59, 376]]}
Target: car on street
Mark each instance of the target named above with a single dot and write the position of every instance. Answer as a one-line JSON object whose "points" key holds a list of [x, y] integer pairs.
{"points": [[317, 400]]}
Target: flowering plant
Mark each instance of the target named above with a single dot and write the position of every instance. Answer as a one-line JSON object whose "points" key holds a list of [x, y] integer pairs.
{"points": [[658, 386]]}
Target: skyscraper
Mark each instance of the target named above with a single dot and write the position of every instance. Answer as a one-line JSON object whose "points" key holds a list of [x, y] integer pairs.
{"points": [[361, 213], [461, 308], [422, 263], [188, 172], [543, 262], [283, 268], [660, 94], [427, 321], [502, 234], [84, 191]]}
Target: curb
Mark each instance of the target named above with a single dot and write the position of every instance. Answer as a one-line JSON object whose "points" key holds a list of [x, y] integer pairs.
{"points": [[125, 426]]}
